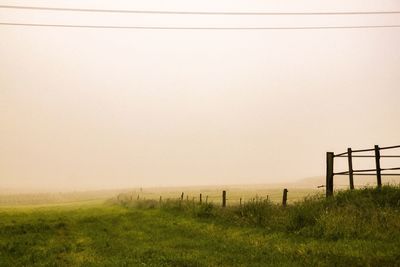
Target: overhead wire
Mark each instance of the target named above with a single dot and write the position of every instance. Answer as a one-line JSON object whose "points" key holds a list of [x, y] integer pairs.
{"points": [[196, 28], [196, 13], [233, 13]]}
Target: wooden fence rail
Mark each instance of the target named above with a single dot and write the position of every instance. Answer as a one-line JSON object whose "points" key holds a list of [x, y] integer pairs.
{"points": [[349, 154]]}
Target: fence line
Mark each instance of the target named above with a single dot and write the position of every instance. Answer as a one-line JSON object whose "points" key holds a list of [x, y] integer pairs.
{"points": [[123, 198], [330, 156]]}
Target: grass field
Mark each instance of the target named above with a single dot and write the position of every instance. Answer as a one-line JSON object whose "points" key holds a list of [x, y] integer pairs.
{"points": [[213, 194], [360, 228]]}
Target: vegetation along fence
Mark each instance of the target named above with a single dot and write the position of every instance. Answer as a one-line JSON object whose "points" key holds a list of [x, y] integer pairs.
{"points": [[349, 154], [204, 199]]}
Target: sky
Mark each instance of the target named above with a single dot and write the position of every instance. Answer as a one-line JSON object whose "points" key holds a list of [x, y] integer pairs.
{"points": [[112, 108]]}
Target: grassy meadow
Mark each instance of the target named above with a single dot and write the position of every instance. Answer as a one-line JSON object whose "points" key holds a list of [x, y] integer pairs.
{"points": [[248, 192], [214, 194], [359, 228]]}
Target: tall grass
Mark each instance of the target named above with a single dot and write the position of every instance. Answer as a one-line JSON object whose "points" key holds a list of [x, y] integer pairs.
{"points": [[368, 213]]}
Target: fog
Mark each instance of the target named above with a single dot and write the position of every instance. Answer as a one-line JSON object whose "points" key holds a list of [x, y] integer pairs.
{"points": [[107, 108]]}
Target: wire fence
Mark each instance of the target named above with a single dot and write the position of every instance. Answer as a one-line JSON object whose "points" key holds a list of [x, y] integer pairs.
{"points": [[219, 196]]}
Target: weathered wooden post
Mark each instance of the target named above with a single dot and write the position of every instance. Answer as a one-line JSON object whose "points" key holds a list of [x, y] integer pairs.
{"points": [[240, 201], [200, 198], [329, 173], [350, 160], [182, 196], [224, 198], [378, 166], [206, 199], [284, 199]]}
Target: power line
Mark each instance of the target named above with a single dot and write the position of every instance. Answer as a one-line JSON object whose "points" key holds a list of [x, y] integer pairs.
{"points": [[200, 12], [197, 28]]}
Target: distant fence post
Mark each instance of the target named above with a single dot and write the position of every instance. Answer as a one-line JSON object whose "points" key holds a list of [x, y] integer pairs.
{"points": [[182, 196], [350, 160], [329, 173], [378, 166], [284, 199], [224, 198], [206, 199], [200, 198]]}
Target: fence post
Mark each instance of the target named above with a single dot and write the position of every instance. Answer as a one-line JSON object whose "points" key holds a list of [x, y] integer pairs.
{"points": [[200, 198], [378, 166], [284, 200], [224, 198], [350, 160], [329, 173], [182, 196]]}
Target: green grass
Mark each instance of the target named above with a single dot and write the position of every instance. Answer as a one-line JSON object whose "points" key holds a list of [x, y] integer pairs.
{"points": [[214, 194], [360, 228]]}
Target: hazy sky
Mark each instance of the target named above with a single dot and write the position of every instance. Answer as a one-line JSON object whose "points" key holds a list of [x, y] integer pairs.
{"points": [[100, 108]]}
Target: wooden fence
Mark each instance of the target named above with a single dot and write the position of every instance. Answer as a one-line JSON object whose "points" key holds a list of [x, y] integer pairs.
{"points": [[349, 154], [125, 198]]}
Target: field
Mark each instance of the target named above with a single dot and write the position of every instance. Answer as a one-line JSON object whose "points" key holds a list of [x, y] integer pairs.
{"points": [[360, 228], [212, 193]]}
